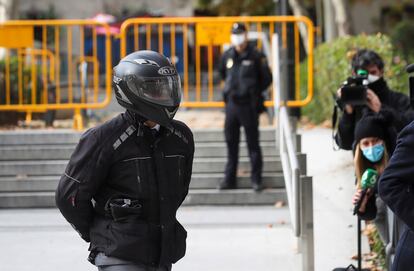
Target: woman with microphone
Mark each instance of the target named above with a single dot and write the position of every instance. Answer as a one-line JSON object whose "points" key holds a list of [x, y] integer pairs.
{"points": [[374, 144]]}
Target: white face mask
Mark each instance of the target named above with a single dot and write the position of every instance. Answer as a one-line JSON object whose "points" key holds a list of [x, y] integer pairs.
{"points": [[373, 78], [237, 39]]}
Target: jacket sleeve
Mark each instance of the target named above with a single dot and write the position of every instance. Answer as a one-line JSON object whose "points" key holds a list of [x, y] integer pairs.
{"points": [[188, 165], [80, 181], [395, 184], [345, 136], [399, 109]]}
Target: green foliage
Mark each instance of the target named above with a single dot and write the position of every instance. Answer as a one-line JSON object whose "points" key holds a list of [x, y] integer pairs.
{"points": [[13, 66], [378, 248], [402, 37], [332, 67]]}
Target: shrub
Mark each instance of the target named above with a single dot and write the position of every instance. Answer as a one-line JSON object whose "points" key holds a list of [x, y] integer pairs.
{"points": [[332, 67]]}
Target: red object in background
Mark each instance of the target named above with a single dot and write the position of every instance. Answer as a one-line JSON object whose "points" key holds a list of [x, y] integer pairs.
{"points": [[114, 28]]}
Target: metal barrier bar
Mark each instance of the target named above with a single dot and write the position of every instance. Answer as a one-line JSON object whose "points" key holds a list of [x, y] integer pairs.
{"points": [[172, 33], [198, 72], [259, 41], [210, 72], [33, 78], [19, 79], [57, 53], [148, 37], [69, 58], [185, 37], [81, 72], [95, 66], [44, 70], [160, 39], [7, 68], [297, 63], [136, 35]]}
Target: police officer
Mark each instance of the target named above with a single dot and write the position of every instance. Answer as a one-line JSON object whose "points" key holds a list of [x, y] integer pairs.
{"points": [[127, 177], [247, 75]]}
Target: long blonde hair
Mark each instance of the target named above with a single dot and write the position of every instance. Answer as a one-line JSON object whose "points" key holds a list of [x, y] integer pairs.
{"points": [[361, 163]]}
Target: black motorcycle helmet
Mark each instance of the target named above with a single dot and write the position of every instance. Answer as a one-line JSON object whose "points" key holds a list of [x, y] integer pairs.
{"points": [[146, 83]]}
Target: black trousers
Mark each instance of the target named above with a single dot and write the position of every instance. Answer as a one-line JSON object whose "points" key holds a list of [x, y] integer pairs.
{"points": [[247, 117]]}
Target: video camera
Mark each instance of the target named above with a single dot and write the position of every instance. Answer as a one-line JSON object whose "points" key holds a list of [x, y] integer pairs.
{"points": [[410, 69], [354, 89]]}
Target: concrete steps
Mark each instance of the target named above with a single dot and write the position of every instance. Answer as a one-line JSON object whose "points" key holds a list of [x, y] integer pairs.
{"points": [[63, 152], [199, 181], [200, 165], [195, 197], [58, 137], [31, 163]]}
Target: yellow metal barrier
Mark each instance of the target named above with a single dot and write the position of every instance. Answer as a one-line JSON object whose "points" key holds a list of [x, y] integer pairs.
{"points": [[195, 44], [41, 66]]}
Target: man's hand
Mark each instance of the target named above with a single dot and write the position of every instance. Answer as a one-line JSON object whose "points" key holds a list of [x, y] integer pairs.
{"points": [[348, 108], [373, 102]]}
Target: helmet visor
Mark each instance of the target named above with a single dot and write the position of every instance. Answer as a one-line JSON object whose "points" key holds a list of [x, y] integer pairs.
{"points": [[165, 90]]}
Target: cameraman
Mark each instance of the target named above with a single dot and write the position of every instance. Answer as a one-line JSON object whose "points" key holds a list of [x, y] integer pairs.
{"points": [[379, 99]]}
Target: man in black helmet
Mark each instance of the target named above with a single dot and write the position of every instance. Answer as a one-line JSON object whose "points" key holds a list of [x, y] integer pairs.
{"points": [[380, 99], [247, 76], [127, 177]]}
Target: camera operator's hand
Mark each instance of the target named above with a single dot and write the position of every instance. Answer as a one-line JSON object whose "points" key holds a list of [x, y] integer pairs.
{"points": [[373, 102], [348, 108]]}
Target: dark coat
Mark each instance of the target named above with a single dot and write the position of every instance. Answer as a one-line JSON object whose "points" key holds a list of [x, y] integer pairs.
{"points": [[396, 182], [122, 159], [395, 106], [247, 76]]}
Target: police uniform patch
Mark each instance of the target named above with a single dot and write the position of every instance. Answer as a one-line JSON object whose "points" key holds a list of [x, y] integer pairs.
{"points": [[247, 62], [229, 63]]}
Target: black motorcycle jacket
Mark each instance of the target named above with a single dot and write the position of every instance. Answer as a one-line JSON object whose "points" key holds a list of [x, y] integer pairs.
{"points": [[122, 161], [246, 76], [395, 106]]}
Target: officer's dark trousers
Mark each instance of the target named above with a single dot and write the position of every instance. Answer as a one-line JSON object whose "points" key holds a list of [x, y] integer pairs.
{"points": [[248, 118], [404, 255]]}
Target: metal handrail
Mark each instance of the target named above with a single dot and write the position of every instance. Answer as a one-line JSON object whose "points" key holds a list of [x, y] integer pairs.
{"points": [[298, 188], [290, 164], [291, 169]]}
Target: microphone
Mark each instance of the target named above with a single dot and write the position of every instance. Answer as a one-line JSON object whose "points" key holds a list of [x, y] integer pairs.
{"points": [[368, 180], [410, 68]]}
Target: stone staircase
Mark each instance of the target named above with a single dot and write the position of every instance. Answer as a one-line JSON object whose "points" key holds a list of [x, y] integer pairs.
{"points": [[31, 163]]}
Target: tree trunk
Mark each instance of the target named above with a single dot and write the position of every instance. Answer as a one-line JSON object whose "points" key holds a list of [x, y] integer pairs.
{"points": [[343, 17]]}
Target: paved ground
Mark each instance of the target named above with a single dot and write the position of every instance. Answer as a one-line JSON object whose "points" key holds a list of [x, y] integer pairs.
{"points": [[333, 182], [220, 238]]}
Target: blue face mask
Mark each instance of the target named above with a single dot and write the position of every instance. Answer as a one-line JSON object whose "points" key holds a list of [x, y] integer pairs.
{"points": [[374, 153]]}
